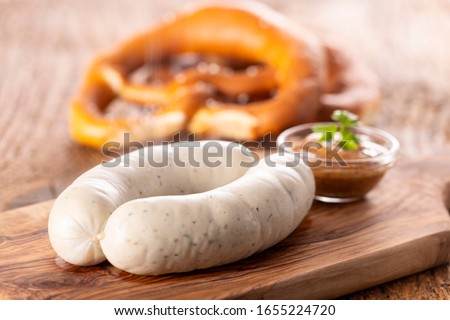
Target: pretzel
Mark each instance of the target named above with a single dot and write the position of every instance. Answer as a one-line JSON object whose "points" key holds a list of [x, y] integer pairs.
{"points": [[289, 60], [229, 71], [350, 85]]}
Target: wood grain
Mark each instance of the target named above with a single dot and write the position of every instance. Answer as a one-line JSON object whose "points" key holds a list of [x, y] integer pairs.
{"points": [[45, 46], [335, 251]]}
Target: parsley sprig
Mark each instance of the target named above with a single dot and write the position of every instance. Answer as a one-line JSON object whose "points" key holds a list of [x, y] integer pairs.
{"points": [[340, 132]]}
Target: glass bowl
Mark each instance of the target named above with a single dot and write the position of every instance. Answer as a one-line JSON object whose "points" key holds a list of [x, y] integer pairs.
{"points": [[342, 176]]}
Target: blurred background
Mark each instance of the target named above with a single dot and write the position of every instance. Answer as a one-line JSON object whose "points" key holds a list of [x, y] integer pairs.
{"points": [[46, 45]]}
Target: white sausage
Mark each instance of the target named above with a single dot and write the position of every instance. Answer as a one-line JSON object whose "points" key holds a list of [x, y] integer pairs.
{"points": [[176, 219]]}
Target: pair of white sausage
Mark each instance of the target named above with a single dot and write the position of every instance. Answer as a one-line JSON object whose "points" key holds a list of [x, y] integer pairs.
{"points": [[147, 218]]}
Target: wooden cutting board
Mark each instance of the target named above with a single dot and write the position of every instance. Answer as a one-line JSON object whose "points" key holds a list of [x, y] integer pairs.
{"points": [[401, 228]]}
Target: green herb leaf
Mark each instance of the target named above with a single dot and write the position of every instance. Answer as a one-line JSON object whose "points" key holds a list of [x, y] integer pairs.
{"points": [[345, 119], [349, 145], [349, 141], [348, 135], [327, 131]]}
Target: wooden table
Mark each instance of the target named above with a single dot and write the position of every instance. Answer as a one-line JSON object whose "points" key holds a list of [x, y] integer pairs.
{"points": [[46, 45]]}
